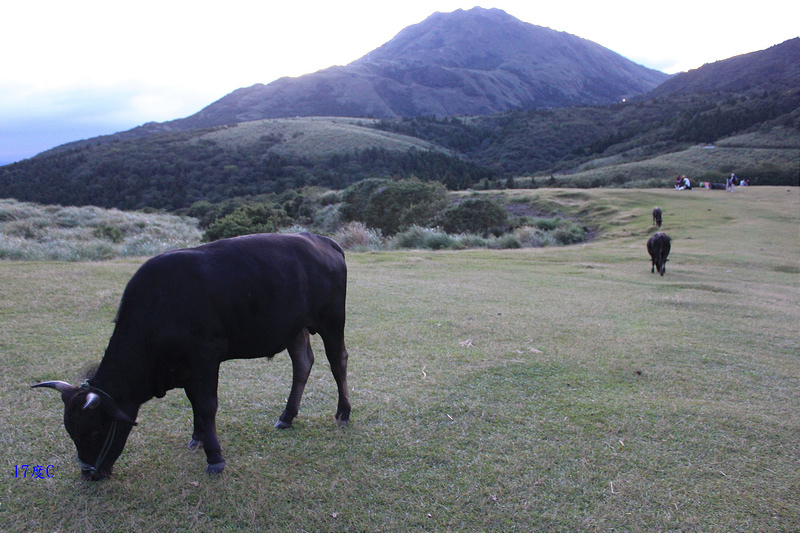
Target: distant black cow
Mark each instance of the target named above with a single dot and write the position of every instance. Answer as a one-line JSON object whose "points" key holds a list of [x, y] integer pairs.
{"points": [[657, 216], [658, 247], [186, 311]]}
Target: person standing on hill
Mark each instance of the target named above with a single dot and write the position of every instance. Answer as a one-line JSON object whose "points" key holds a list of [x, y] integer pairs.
{"points": [[729, 184]]}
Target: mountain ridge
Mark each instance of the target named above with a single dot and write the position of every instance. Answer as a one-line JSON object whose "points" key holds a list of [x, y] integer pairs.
{"points": [[464, 63], [776, 67]]}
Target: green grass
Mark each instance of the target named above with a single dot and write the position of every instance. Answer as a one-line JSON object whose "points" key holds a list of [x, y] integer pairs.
{"points": [[314, 137], [758, 157], [551, 389]]}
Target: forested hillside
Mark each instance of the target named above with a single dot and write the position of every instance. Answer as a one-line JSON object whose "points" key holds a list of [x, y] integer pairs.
{"points": [[171, 171], [545, 141]]}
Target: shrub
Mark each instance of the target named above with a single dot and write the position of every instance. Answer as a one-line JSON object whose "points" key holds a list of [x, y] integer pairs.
{"points": [[569, 233], [438, 240], [413, 237], [418, 237], [546, 224], [356, 236], [509, 241], [469, 240], [532, 237], [474, 215], [392, 205], [328, 219], [247, 219], [112, 233]]}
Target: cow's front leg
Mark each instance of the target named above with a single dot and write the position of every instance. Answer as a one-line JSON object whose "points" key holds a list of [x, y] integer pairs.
{"points": [[302, 360], [204, 406]]}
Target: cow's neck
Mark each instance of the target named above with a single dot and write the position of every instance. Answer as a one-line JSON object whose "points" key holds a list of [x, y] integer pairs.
{"points": [[123, 373]]}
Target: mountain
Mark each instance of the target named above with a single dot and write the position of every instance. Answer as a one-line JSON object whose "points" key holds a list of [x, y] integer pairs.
{"points": [[755, 97], [474, 62], [775, 68], [759, 91]]}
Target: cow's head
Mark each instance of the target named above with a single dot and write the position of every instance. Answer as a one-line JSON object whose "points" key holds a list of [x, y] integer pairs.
{"points": [[97, 426], [662, 267]]}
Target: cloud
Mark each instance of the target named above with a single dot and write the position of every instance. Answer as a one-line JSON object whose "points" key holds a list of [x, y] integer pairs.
{"points": [[35, 120]]}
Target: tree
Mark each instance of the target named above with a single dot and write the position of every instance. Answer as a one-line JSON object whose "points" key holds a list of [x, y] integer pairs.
{"points": [[393, 205], [475, 215], [259, 218]]}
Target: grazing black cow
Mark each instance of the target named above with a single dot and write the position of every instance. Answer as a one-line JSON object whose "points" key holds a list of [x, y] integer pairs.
{"points": [[658, 247], [657, 216], [186, 311]]}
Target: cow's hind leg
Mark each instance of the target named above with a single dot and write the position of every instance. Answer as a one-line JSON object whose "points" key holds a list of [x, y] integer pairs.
{"points": [[203, 398], [337, 357], [302, 360]]}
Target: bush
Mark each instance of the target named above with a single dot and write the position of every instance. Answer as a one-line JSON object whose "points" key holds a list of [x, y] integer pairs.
{"points": [[546, 224], [112, 233], [392, 205], [569, 233], [438, 240], [413, 237], [474, 215], [258, 218], [356, 236], [418, 237], [470, 240], [509, 241], [533, 237]]}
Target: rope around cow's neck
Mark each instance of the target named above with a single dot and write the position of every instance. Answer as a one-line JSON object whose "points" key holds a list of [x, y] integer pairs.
{"points": [[109, 438]]}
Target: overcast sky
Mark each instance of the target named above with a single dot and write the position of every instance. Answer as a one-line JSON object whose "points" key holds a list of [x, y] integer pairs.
{"points": [[72, 70]]}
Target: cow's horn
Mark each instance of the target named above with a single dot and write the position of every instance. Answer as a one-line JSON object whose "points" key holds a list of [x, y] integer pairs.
{"points": [[92, 401], [60, 386]]}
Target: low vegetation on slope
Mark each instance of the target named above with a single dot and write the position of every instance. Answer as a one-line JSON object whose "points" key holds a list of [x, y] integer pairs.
{"points": [[36, 232], [376, 215]]}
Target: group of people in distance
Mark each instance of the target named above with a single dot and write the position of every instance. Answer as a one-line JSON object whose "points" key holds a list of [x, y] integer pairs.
{"points": [[682, 183]]}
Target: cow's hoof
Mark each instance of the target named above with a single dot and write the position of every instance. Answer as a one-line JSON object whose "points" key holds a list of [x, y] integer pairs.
{"points": [[280, 424], [194, 444], [216, 468], [342, 423]]}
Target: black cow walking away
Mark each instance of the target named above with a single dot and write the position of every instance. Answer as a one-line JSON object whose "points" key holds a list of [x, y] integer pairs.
{"points": [[657, 216], [184, 312], [658, 247]]}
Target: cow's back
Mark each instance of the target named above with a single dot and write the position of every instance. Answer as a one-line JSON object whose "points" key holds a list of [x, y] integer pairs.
{"points": [[247, 295]]}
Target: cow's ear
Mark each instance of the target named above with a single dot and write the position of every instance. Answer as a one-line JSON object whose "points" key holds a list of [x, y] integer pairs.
{"points": [[119, 416], [116, 413]]}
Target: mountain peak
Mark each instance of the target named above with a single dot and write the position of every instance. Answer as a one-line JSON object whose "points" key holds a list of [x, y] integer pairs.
{"points": [[467, 62]]}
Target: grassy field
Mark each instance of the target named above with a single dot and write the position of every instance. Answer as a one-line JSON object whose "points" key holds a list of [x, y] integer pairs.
{"points": [[533, 390], [314, 137], [753, 156]]}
